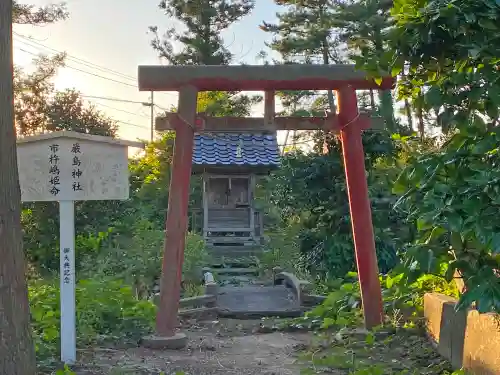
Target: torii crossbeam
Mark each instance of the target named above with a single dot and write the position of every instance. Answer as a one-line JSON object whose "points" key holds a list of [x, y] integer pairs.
{"points": [[189, 80]]}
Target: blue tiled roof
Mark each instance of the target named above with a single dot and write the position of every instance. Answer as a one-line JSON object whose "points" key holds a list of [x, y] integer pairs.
{"points": [[225, 149]]}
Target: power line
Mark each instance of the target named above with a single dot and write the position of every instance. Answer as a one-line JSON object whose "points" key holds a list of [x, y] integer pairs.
{"points": [[119, 110], [162, 108], [84, 71], [114, 99], [132, 124], [30, 42], [35, 44]]}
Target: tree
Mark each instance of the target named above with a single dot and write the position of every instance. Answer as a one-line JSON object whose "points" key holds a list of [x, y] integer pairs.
{"points": [[67, 111], [450, 55], [363, 26], [17, 352], [310, 189], [304, 33], [32, 92], [25, 14], [40, 108], [204, 21]]}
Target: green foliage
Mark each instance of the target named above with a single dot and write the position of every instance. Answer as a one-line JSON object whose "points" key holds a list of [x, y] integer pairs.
{"points": [[311, 189], [448, 55], [204, 21], [452, 196], [397, 348], [304, 29], [403, 302], [106, 310], [282, 248]]}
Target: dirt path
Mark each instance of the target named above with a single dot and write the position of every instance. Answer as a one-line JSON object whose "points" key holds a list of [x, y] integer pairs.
{"points": [[222, 347]]}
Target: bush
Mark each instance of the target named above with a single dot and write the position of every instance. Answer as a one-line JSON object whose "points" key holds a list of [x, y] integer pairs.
{"points": [[106, 310], [136, 258], [281, 249], [195, 258], [403, 303]]}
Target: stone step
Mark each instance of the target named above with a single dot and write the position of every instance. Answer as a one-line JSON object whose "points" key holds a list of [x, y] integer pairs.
{"points": [[234, 251], [227, 271], [245, 241], [241, 262]]}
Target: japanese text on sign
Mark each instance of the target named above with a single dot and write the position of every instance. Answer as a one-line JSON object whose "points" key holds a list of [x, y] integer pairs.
{"points": [[66, 267], [54, 178], [77, 172]]}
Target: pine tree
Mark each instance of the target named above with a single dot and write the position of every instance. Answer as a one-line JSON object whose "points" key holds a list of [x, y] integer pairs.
{"points": [[363, 26], [304, 34], [202, 44]]}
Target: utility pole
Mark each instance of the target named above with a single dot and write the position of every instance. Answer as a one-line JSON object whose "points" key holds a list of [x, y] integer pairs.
{"points": [[152, 116], [17, 352], [151, 105]]}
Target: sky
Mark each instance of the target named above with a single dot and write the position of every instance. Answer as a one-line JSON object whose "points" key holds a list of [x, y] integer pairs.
{"points": [[106, 40]]}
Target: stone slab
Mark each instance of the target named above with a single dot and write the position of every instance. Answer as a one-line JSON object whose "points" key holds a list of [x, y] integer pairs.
{"points": [[254, 298], [176, 342]]}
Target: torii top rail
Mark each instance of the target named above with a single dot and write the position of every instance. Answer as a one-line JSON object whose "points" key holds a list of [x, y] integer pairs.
{"points": [[189, 80], [256, 78]]}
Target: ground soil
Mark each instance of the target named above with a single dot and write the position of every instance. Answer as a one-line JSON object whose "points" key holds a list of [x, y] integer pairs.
{"points": [[252, 347], [218, 347], [262, 347]]}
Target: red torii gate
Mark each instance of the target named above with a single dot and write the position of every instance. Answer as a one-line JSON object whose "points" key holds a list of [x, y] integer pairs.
{"points": [[188, 81]]}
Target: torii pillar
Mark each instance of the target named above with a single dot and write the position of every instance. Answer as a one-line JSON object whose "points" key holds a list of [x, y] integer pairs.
{"points": [[176, 226], [359, 204], [188, 81]]}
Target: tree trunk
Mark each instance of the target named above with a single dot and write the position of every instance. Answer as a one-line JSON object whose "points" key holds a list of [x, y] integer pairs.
{"points": [[409, 115], [331, 99], [387, 109], [385, 96], [420, 117], [17, 353], [326, 61], [372, 101]]}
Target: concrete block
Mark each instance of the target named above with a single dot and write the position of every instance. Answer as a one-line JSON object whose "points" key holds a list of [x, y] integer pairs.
{"points": [[299, 287], [176, 342], [466, 338], [481, 348]]}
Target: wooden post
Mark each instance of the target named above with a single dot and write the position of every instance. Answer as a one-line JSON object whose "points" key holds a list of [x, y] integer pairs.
{"points": [[205, 205], [67, 282], [177, 220], [269, 109], [251, 191], [359, 203]]}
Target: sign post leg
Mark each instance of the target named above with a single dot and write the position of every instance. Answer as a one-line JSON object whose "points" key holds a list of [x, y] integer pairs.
{"points": [[359, 203], [67, 267]]}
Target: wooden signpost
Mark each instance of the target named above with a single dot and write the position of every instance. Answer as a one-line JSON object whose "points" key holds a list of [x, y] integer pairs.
{"points": [[68, 167]]}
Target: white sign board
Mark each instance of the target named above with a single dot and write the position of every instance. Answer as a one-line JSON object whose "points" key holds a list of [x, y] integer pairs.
{"points": [[68, 167]]}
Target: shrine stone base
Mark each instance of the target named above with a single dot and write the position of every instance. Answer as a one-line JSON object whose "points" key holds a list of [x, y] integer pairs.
{"points": [[176, 342]]}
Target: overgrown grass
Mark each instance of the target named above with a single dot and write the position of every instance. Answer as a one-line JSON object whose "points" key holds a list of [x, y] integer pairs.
{"points": [[116, 276], [107, 310]]}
